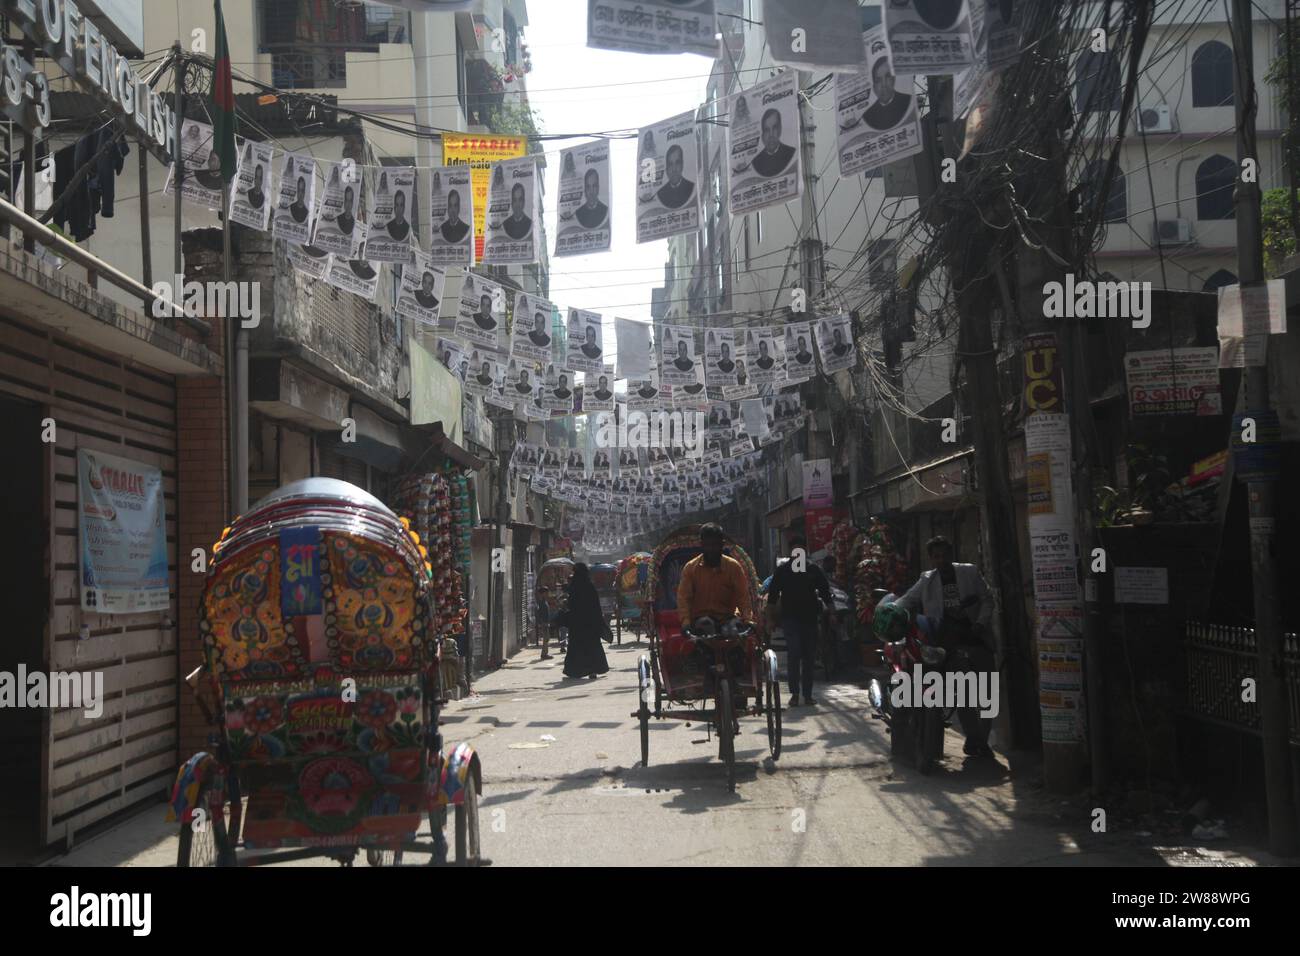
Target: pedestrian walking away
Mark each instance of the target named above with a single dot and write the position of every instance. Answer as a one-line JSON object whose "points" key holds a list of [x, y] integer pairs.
{"points": [[587, 627], [798, 594], [956, 596]]}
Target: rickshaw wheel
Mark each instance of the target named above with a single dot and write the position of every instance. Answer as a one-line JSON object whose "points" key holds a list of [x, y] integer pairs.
{"points": [[644, 716], [726, 733], [376, 856], [467, 843], [773, 708], [209, 846]]}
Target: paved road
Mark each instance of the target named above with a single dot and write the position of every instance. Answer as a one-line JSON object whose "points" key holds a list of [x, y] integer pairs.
{"points": [[563, 785]]}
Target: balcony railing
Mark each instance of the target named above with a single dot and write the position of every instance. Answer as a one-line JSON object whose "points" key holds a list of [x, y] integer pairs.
{"points": [[1219, 657]]}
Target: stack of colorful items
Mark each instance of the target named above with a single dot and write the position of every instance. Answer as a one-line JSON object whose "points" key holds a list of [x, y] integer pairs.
{"points": [[877, 565], [461, 520], [425, 502], [844, 540]]}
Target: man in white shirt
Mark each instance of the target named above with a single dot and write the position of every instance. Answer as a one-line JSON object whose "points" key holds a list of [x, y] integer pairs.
{"points": [[958, 603]]}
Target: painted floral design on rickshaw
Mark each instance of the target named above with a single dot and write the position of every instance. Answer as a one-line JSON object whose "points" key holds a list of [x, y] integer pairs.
{"points": [[255, 728], [332, 794], [371, 607], [246, 633], [391, 720]]}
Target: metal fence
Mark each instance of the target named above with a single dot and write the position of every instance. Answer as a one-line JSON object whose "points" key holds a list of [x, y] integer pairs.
{"points": [[1219, 657]]}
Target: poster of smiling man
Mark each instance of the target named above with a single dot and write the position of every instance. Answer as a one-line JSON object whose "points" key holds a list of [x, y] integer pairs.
{"points": [[585, 348], [388, 236], [451, 213], [292, 220], [799, 363], [336, 223], [719, 357], [478, 322], [251, 203], [512, 233], [876, 121], [763, 145], [584, 200], [763, 349], [667, 170], [531, 337], [421, 293], [677, 358], [835, 343]]}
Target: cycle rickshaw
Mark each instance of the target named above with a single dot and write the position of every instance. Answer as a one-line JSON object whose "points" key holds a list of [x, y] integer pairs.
{"points": [[743, 668], [633, 575], [320, 627], [605, 578], [552, 597]]}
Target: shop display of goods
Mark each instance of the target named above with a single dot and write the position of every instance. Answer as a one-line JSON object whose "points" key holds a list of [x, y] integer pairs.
{"points": [[428, 504], [844, 539], [877, 565]]}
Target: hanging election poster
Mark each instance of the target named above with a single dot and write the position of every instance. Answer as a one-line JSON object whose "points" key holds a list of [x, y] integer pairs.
{"points": [[598, 391], [584, 200], [421, 291], [585, 348], [835, 343], [451, 213], [359, 276], [745, 387], [667, 169], [309, 260], [519, 380], [479, 154], [652, 26], [969, 83], [677, 359], [484, 373], [799, 364], [203, 181], [763, 145], [293, 219], [531, 338], [388, 238], [452, 355], [929, 36], [643, 395], [763, 348], [1001, 18], [122, 535], [719, 347], [558, 396], [336, 223], [512, 213], [251, 203], [480, 319], [875, 122]]}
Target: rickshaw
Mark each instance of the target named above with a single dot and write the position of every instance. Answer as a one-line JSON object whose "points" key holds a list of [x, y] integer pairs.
{"points": [[605, 578], [633, 573], [320, 624], [744, 668], [552, 597]]}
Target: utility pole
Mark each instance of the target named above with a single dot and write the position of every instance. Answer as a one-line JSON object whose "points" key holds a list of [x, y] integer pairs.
{"points": [[1261, 491], [967, 255]]}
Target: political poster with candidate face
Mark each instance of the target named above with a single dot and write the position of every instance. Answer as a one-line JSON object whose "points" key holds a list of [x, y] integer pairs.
{"points": [[694, 395], [835, 343], [745, 386], [420, 296], [359, 276], [250, 205], [388, 233], [293, 218], [203, 182], [451, 213], [520, 380], [652, 26], [929, 36], [558, 394], [585, 348], [584, 200], [763, 145], [969, 83], [763, 347], [481, 319], [531, 337], [876, 123], [309, 260], [667, 174], [719, 422], [720, 357], [598, 391], [1002, 21], [512, 231], [575, 466], [800, 364], [453, 357], [552, 461], [677, 359], [484, 374], [644, 394], [336, 220], [740, 444]]}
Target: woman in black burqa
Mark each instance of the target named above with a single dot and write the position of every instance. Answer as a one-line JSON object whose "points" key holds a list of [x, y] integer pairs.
{"points": [[587, 627]]}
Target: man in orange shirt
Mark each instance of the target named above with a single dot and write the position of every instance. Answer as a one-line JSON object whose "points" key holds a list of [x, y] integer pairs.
{"points": [[712, 584]]}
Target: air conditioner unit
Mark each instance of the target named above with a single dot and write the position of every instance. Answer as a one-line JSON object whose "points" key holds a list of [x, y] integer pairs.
{"points": [[1155, 119], [1172, 232]]}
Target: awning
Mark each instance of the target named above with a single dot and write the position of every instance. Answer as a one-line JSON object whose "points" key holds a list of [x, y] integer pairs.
{"points": [[941, 484], [440, 440]]}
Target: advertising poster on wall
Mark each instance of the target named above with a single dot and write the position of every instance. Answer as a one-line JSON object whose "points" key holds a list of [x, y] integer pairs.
{"points": [[121, 535]]}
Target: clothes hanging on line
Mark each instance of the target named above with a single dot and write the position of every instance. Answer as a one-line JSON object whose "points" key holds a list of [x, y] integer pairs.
{"points": [[96, 191]]}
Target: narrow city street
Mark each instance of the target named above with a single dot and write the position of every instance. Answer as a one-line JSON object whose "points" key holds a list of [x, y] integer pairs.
{"points": [[563, 786]]}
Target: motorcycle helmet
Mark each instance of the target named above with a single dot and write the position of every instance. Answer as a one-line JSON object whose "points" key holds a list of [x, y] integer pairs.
{"points": [[890, 623]]}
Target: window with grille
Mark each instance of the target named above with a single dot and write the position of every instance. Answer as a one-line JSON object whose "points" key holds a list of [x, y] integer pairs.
{"points": [[1212, 75]]}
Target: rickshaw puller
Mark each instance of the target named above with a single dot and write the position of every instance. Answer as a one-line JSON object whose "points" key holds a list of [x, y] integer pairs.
{"points": [[713, 585]]}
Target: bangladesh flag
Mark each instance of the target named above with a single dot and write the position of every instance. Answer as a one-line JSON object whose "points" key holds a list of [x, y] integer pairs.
{"points": [[223, 102]]}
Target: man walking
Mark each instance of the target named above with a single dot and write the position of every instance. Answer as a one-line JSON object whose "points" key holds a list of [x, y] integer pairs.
{"points": [[797, 586], [956, 599]]}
